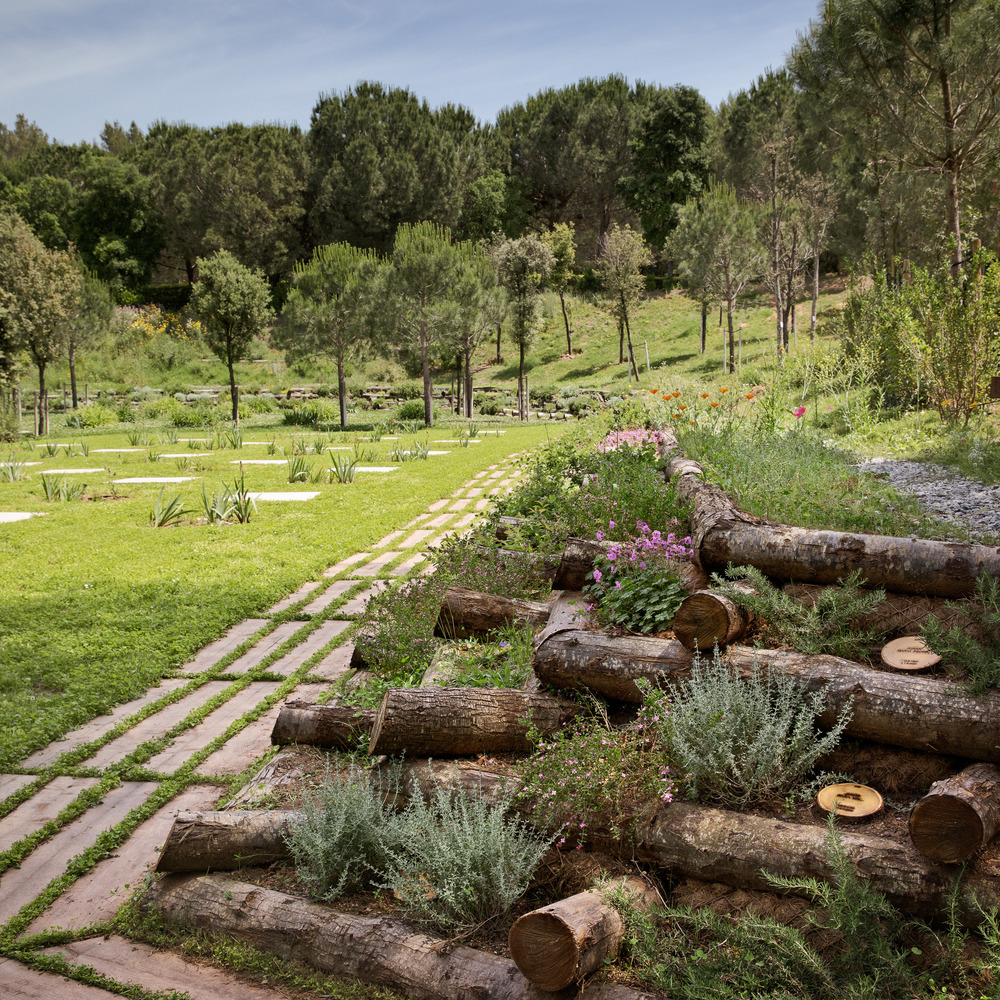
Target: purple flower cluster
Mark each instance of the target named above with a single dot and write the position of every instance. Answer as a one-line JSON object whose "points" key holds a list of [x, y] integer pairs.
{"points": [[647, 545], [637, 438]]}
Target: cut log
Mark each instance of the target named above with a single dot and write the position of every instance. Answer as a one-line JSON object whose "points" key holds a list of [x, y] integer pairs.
{"points": [[722, 534], [337, 727], [380, 950], [558, 945], [466, 613], [287, 767], [459, 777], [707, 618], [921, 713], [718, 845], [454, 721], [203, 840], [959, 815]]}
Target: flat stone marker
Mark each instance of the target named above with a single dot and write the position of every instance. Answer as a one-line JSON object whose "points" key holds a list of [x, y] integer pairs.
{"points": [[298, 595], [208, 656], [10, 783], [185, 454], [8, 517], [156, 479], [100, 725], [311, 645], [115, 451], [332, 593], [97, 895], [356, 605], [415, 538], [377, 564], [155, 725], [285, 496], [259, 461], [22, 983], [438, 452], [376, 468], [43, 806], [267, 645], [19, 886], [404, 568], [72, 472], [130, 962], [346, 563], [193, 740], [335, 664], [252, 742]]}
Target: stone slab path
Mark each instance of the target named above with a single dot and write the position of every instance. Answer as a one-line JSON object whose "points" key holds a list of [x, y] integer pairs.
{"points": [[209, 722]]}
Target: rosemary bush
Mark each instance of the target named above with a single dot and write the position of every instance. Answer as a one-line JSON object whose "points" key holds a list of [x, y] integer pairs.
{"points": [[736, 742]]}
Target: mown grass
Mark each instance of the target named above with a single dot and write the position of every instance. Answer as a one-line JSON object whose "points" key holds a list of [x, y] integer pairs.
{"points": [[96, 606]]}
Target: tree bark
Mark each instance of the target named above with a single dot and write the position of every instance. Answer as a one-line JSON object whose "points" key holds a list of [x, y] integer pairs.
{"points": [[381, 950], [920, 713], [338, 727], [71, 358], [707, 618], [558, 945], [342, 390], [569, 337], [959, 815], [521, 404], [468, 382], [455, 721], [225, 840], [425, 370], [722, 534], [466, 613], [704, 328]]}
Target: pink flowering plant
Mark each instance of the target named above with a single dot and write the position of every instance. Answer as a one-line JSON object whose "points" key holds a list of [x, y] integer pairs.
{"points": [[596, 779], [636, 585]]}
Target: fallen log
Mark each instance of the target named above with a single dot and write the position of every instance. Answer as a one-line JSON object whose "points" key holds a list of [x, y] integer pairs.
{"points": [[718, 845], [381, 950], [558, 945], [921, 713], [224, 840], [959, 815], [723, 534], [466, 613], [707, 618], [287, 767], [337, 727], [425, 722]]}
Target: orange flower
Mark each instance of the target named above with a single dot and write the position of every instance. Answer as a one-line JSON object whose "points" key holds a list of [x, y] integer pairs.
{"points": [[690, 421], [704, 395], [682, 407], [724, 389], [714, 404], [654, 391], [749, 395], [677, 416]]}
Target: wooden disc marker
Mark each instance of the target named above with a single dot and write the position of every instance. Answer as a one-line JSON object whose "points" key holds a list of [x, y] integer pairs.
{"points": [[850, 801], [910, 653]]}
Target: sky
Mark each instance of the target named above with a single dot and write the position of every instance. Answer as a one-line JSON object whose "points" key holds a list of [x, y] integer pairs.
{"points": [[72, 65]]}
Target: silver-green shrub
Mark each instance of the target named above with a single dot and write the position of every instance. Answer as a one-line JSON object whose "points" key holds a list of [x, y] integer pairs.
{"points": [[734, 741]]}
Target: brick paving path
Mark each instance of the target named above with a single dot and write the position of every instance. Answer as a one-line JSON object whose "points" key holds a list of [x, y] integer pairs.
{"points": [[310, 654]]}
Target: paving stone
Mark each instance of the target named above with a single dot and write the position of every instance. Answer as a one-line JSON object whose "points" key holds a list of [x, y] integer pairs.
{"points": [[192, 740], [391, 537], [98, 894], [19, 886], [506, 482], [99, 726], [129, 962], [404, 568], [311, 645], [475, 492], [479, 475], [155, 725], [417, 520], [460, 505], [356, 605], [264, 648], [415, 538], [44, 805], [10, 783], [8, 517], [482, 504], [494, 475], [286, 602], [332, 593], [438, 504], [335, 664], [22, 983], [377, 564], [441, 520], [210, 655], [464, 521], [346, 563]]}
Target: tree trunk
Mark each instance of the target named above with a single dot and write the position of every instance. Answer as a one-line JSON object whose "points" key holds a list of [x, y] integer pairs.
{"points": [[569, 337], [198, 841], [921, 713], [425, 368], [338, 727], [704, 328], [815, 290], [732, 338], [381, 950], [342, 390], [43, 423], [558, 945], [466, 613], [71, 350], [233, 391], [468, 381], [521, 406], [718, 845], [621, 343], [499, 330], [457, 721], [959, 815], [722, 534]]}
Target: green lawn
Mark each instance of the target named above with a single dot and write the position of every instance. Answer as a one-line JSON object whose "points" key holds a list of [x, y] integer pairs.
{"points": [[96, 605]]}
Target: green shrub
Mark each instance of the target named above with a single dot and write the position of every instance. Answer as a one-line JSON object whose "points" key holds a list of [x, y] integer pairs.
{"points": [[737, 741], [257, 404], [164, 406], [412, 409], [480, 564], [96, 415]]}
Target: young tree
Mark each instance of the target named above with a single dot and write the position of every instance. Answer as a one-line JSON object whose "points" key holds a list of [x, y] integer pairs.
{"points": [[522, 265], [92, 314], [327, 311], [234, 305], [716, 244], [561, 240], [623, 256]]}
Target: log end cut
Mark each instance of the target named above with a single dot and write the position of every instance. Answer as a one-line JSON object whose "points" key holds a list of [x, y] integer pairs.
{"points": [[544, 949], [706, 618], [946, 829]]}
